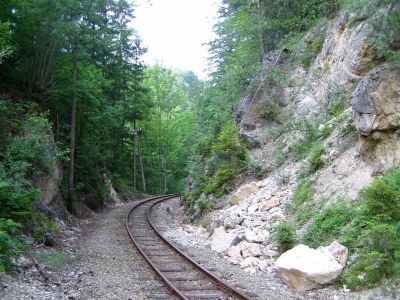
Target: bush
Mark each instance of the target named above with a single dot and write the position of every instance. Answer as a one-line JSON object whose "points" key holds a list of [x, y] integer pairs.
{"points": [[15, 213], [9, 245], [371, 231], [370, 268], [383, 196], [315, 159], [328, 225], [284, 236], [53, 260], [303, 193]]}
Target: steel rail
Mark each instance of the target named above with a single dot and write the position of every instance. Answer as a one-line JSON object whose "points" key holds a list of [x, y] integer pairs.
{"points": [[170, 285], [209, 274]]}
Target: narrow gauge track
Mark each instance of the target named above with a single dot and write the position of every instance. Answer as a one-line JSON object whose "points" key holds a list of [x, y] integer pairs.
{"points": [[184, 278]]}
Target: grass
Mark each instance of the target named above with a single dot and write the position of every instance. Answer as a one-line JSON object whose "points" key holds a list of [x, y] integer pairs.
{"points": [[55, 261]]}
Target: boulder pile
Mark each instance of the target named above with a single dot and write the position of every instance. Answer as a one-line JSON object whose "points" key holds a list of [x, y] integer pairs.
{"points": [[244, 236]]}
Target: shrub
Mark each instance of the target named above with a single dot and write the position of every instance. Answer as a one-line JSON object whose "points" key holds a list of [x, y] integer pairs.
{"points": [[15, 212], [383, 196], [284, 236], [304, 192], [53, 260], [370, 268], [371, 231], [328, 225], [270, 110], [315, 158], [9, 245]]}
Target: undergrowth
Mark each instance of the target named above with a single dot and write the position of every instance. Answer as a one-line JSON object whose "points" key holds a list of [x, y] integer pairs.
{"points": [[370, 229]]}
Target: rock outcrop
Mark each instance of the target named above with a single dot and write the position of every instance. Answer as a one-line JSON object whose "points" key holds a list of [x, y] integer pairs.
{"points": [[376, 113], [50, 201], [304, 268]]}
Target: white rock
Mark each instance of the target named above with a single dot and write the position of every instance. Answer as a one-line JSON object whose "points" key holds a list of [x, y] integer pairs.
{"points": [[250, 236], [267, 205], [249, 262], [276, 217], [244, 193], [221, 240], [303, 268], [235, 210], [234, 254], [250, 249], [253, 208], [270, 253], [338, 251], [232, 222], [263, 264]]}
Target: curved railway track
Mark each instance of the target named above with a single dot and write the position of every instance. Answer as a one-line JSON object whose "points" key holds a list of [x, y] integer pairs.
{"points": [[183, 277]]}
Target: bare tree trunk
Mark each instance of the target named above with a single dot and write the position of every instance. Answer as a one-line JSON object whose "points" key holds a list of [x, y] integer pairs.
{"points": [[134, 154], [260, 35], [72, 132], [141, 166]]}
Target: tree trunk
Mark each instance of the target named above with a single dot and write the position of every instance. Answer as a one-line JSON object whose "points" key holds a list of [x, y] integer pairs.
{"points": [[72, 132], [134, 154], [260, 35], [141, 166]]}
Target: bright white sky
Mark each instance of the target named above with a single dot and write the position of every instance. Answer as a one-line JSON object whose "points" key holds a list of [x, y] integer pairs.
{"points": [[174, 32]]}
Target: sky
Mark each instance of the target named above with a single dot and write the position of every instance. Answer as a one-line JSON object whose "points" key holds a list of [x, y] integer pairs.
{"points": [[174, 32]]}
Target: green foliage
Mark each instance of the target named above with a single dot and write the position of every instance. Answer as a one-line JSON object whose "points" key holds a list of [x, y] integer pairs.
{"points": [[229, 156], [315, 157], [370, 230], [328, 225], [284, 236], [270, 109], [383, 196], [258, 170], [9, 244], [204, 205], [54, 260], [6, 47], [384, 16], [33, 144], [303, 193], [15, 211], [41, 226]]}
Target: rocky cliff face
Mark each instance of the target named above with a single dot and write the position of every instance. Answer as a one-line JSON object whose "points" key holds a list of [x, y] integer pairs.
{"points": [[49, 183], [50, 201], [376, 113], [357, 142]]}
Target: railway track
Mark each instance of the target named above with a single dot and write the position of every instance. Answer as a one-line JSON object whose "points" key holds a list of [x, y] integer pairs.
{"points": [[183, 277]]}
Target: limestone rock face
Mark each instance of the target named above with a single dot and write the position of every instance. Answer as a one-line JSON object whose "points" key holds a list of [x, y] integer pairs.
{"points": [[304, 268], [50, 202], [243, 193], [376, 114], [221, 240]]}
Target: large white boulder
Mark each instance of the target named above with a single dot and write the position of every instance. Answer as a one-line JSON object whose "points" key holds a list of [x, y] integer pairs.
{"points": [[304, 268], [244, 193], [222, 240]]}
